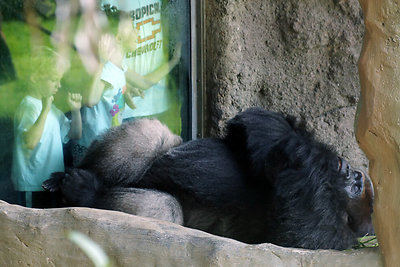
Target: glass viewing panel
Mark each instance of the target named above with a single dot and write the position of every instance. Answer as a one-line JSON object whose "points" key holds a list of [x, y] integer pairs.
{"points": [[71, 70]]}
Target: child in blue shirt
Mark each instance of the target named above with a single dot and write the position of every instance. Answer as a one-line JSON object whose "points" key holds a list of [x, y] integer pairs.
{"points": [[40, 129], [105, 101]]}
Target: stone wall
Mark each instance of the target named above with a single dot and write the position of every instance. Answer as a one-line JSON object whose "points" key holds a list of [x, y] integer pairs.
{"points": [[378, 125], [298, 57], [33, 237]]}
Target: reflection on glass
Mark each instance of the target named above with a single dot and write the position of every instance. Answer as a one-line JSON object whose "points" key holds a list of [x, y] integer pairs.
{"points": [[148, 59], [40, 128], [74, 69]]}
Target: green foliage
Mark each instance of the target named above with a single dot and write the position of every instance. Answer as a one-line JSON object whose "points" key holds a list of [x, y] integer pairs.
{"points": [[18, 40], [367, 241], [76, 79], [14, 9], [18, 37]]}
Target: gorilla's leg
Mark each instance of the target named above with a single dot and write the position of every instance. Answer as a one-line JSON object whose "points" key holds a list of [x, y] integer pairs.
{"points": [[117, 159], [141, 202], [81, 188], [123, 154]]}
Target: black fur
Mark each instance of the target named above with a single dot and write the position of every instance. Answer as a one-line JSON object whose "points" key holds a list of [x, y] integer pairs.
{"points": [[126, 152], [268, 180]]}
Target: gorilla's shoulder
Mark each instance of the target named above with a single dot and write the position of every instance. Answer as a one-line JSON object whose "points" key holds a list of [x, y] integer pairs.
{"points": [[255, 123], [267, 141], [210, 150]]}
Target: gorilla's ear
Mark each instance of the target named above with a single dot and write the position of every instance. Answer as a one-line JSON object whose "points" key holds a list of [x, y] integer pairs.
{"points": [[258, 138]]}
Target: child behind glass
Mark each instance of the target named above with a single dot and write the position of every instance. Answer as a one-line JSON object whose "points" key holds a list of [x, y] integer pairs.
{"points": [[40, 129]]}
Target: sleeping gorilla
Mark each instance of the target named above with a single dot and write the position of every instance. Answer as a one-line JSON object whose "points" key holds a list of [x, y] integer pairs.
{"points": [[267, 180]]}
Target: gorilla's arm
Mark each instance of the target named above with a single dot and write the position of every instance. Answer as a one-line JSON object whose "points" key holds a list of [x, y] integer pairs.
{"points": [[212, 188], [204, 170]]}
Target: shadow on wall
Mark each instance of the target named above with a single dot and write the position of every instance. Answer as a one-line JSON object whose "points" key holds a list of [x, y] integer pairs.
{"points": [[7, 192]]}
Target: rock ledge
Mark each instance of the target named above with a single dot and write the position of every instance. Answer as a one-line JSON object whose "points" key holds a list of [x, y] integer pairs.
{"points": [[33, 237]]}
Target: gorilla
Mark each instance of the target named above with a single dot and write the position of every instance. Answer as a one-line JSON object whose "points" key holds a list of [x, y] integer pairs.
{"points": [[266, 180]]}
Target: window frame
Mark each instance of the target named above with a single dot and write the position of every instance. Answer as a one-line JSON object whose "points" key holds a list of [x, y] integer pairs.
{"points": [[197, 80]]}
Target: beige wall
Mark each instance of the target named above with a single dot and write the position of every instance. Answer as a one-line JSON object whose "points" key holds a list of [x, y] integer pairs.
{"points": [[378, 127]]}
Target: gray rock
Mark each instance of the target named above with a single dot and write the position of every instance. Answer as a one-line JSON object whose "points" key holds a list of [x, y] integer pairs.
{"points": [[33, 237], [295, 57]]}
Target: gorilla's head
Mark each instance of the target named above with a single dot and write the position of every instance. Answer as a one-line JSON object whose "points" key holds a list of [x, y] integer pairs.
{"points": [[360, 198], [318, 199]]}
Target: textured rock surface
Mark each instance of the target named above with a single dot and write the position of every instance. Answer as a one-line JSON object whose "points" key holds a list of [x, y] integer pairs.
{"points": [[378, 129], [298, 57], [33, 237]]}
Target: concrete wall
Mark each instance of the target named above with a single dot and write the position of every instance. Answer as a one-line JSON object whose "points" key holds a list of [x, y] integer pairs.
{"points": [[298, 57]]}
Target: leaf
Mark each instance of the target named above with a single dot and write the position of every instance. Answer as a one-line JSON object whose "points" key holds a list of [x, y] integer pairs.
{"points": [[95, 253]]}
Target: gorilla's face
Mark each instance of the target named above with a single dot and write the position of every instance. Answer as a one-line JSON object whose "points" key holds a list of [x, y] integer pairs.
{"points": [[360, 198]]}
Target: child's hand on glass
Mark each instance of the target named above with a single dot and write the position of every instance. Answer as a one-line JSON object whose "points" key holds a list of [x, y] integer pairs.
{"points": [[134, 91], [74, 101], [106, 47]]}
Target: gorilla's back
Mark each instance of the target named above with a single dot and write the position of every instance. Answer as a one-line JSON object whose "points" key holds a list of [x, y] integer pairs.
{"points": [[212, 188], [203, 169]]}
